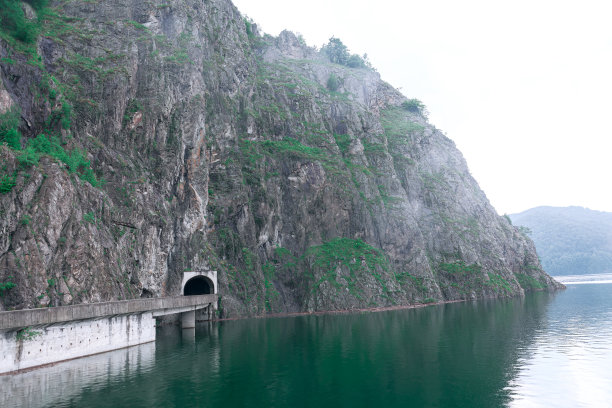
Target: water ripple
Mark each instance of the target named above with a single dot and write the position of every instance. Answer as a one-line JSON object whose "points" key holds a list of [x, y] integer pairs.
{"points": [[539, 351], [567, 365]]}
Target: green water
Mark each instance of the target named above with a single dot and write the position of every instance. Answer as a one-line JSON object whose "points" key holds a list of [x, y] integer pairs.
{"points": [[543, 350]]}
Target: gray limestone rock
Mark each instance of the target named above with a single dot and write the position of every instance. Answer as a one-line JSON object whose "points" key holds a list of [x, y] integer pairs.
{"points": [[221, 149]]}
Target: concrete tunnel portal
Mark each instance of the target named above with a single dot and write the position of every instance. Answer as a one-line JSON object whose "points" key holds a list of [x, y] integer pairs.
{"points": [[198, 285]]}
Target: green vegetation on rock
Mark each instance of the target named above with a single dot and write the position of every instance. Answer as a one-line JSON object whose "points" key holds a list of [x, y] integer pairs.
{"points": [[7, 183], [459, 268], [415, 106], [14, 21], [333, 82], [9, 132], [355, 254], [499, 282], [457, 276], [75, 160], [529, 283], [338, 53], [6, 285], [220, 146], [399, 128]]}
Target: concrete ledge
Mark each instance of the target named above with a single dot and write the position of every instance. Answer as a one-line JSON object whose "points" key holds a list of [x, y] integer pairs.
{"points": [[35, 317], [164, 312]]}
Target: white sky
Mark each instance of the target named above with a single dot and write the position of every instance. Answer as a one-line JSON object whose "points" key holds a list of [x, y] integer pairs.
{"points": [[523, 87]]}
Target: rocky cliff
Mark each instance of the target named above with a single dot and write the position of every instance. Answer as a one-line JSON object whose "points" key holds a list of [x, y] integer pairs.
{"points": [[144, 139]]}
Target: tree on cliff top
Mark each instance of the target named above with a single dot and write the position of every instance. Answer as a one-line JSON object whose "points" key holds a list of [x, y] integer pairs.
{"points": [[338, 53]]}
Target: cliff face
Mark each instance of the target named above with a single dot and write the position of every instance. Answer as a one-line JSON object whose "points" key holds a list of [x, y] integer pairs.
{"points": [[211, 147]]}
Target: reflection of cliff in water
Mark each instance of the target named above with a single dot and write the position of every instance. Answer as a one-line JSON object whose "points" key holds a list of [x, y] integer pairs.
{"points": [[451, 355], [47, 386]]}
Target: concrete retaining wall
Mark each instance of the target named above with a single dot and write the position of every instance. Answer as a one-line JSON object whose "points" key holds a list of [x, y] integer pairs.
{"points": [[51, 315], [64, 341], [34, 337]]}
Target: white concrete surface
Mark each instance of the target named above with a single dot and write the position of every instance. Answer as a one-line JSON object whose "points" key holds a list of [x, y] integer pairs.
{"points": [[64, 341], [211, 275]]}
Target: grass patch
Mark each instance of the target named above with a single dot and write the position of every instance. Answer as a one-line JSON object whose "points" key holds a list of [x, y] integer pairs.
{"points": [[398, 127], [528, 282], [373, 148], [7, 183], [89, 217], [358, 256], [14, 23], [75, 160], [271, 294], [459, 268], [343, 142], [457, 276], [292, 147], [499, 282], [9, 133], [252, 151]]}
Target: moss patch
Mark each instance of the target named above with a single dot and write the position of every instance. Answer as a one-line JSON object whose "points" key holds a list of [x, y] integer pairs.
{"points": [[529, 283]]}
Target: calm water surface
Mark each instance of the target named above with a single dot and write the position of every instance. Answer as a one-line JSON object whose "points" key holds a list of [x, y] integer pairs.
{"points": [[540, 351]]}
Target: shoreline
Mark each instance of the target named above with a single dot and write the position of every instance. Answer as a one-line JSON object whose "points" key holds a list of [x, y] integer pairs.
{"points": [[371, 309], [342, 311]]}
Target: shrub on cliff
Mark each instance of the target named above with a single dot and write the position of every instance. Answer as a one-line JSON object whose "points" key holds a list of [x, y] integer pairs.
{"points": [[333, 83], [413, 105], [7, 183], [355, 61], [14, 22], [248, 23], [9, 134]]}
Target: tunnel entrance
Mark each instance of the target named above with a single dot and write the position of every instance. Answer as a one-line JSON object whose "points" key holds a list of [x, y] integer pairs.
{"points": [[198, 285]]}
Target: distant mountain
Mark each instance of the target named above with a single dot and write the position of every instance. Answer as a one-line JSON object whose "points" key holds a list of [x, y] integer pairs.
{"points": [[570, 240]]}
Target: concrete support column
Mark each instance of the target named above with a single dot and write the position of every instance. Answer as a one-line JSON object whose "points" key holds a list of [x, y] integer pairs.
{"points": [[188, 320]]}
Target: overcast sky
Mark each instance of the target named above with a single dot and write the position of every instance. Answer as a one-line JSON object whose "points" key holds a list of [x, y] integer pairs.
{"points": [[524, 88]]}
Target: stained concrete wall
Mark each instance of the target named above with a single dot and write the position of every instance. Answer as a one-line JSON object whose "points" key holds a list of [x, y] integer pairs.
{"points": [[206, 313], [63, 341], [67, 332]]}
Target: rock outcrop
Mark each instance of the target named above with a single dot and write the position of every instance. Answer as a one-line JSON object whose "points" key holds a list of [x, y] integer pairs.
{"points": [[177, 138]]}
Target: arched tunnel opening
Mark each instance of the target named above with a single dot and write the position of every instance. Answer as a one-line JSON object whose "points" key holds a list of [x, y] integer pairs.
{"points": [[198, 285]]}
